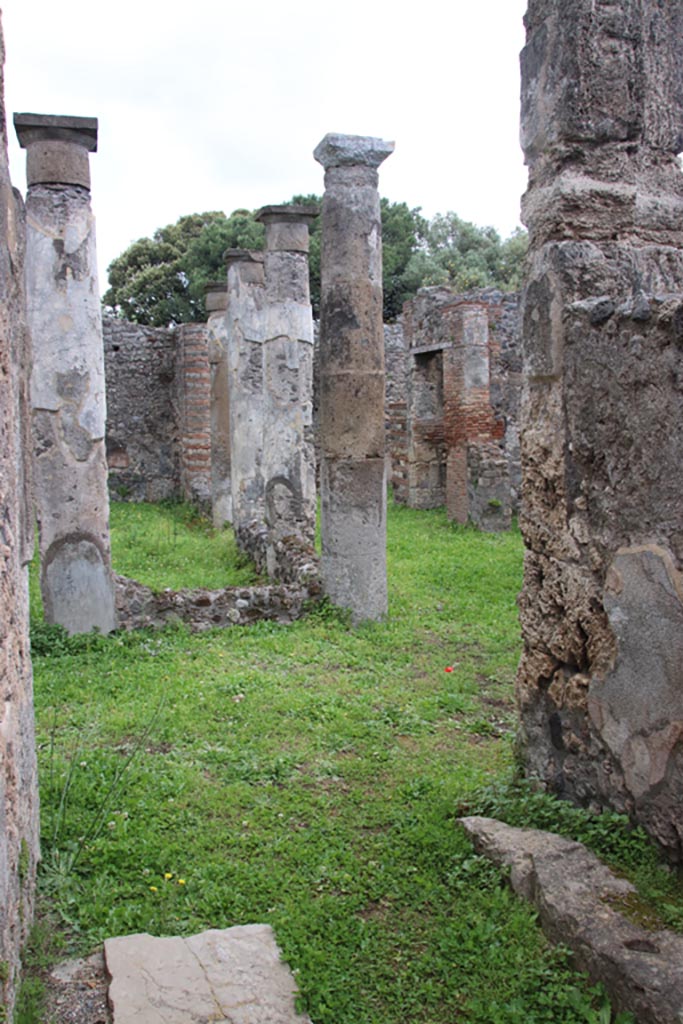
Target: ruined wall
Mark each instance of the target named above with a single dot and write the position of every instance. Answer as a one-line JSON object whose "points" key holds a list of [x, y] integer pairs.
{"points": [[18, 780], [459, 446], [158, 429], [141, 432], [600, 685]]}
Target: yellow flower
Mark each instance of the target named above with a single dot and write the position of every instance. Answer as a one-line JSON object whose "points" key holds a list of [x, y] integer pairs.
{"points": [[153, 888], [181, 881], [168, 874]]}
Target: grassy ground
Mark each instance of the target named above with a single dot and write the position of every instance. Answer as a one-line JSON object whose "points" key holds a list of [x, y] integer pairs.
{"points": [[310, 776]]}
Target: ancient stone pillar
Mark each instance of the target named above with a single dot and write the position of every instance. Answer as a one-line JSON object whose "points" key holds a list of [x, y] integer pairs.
{"points": [[245, 333], [193, 395], [600, 685], [67, 385], [352, 473], [288, 465], [216, 300], [18, 775], [477, 472]]}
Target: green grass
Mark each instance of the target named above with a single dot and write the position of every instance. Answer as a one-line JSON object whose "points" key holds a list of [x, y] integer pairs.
{"points": [[310, 776]]}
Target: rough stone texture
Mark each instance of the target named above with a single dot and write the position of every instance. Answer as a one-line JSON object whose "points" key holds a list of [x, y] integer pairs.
{"points": [[396, 408], [139, 607], [352, 441], [288, 460], [600, 685], [216, 300], [245, 331], [233, 976], [18, 777], [582, 905], [68, 401], [462, 387], [142, 421], [193, 402]]}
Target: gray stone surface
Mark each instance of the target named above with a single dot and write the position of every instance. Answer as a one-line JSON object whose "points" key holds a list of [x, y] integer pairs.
{"points": [[581, 904], [245, 334], [352, 430], [216, 300], [599, 684], [18, 776], [57, 148], [288, 464], [234, 976], [68, 401], [142, 429]]}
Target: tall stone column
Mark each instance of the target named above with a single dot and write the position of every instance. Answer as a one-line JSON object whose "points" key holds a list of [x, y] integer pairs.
{"points": [[216, 300], [352, 473], [67, 385], [600, 685], [288, 453], [245, 333]]}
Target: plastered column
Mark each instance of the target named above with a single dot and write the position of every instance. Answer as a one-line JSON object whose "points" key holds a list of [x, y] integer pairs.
{"points": [[600, 684], [352, 474], [288, 454], [67, 384], [216, 301], [245, 334]]}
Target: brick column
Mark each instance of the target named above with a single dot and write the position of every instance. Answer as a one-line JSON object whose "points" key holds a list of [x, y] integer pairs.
{"points": [[288, 457], [67, 385], [216, 299], [194, 403], [477, 473], [352, 474]]}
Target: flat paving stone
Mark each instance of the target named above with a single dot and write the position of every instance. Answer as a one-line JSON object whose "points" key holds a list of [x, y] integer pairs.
{"points": [[229, 976]]}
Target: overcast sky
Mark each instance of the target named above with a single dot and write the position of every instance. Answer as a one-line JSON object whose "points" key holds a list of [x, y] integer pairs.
{"points": [[209, 105]]}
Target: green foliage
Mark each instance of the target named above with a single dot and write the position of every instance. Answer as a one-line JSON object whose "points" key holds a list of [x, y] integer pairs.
{"points": [[160, 281], [149, 282], [465, 256]]}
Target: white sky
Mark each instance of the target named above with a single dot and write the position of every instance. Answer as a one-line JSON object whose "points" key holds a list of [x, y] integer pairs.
{"points": [[218, 104]]}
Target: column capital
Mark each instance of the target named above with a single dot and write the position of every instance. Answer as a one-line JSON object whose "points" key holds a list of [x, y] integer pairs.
{"points": [[287, 226], [216, 296], [57, 148], [231, 256], [352, 151]]}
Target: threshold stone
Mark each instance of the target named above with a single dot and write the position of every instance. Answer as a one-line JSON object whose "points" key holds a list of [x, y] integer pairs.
{"points": [[229, 976], [581, 904]]}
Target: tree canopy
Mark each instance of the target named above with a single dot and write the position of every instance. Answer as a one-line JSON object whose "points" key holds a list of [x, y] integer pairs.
{"points": [[160, 280]]}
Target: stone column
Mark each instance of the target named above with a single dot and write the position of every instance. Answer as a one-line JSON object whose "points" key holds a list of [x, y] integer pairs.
{"points": [[19, 849], [288, 455], [600, 685], [477, 473], [216, 300], [245, 333], [352, 473], [67, 385]]}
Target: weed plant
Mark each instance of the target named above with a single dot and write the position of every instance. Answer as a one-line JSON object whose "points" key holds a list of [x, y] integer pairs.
{"points": [[310, 776]]}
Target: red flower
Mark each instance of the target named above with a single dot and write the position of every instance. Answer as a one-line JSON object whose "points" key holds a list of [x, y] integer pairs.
{"points": [[449, 668]]}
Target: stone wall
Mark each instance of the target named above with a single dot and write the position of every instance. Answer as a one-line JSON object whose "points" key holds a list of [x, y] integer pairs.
{"points": [[18, 778], [142, 423], [600, 684]]}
